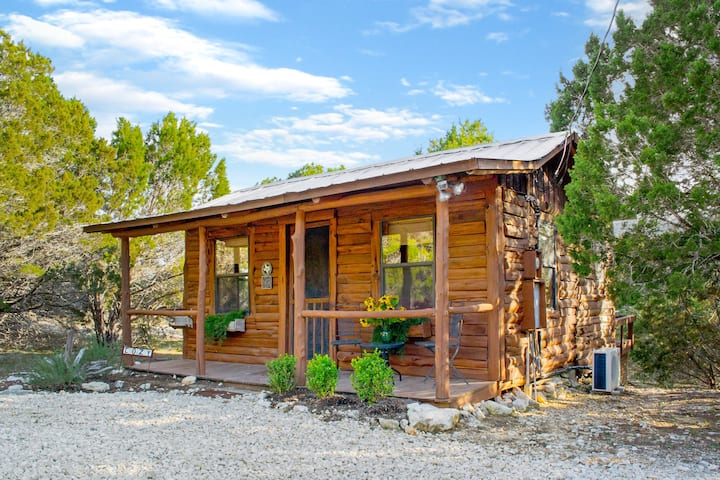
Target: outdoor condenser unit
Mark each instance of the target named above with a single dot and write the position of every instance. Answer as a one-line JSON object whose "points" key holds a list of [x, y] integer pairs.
{"points": [[606, 369]]}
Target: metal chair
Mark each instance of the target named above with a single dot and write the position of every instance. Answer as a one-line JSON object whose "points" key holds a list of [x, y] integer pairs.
{"points": [[456, 322], [346, 333]]}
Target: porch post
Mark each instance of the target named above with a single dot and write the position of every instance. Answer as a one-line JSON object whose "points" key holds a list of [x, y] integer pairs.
{"points": [[496, 284], [442, 333], [125, 297], [299, 330], [202, 286]]}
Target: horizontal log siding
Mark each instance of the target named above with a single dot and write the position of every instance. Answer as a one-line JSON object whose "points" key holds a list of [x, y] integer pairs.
{"points": [[358, 278], [584, 318], [258, 344]]}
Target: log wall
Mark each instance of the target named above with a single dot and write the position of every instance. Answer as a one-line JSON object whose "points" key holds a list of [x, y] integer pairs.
{"points": [[358, 276], [584, 318]]}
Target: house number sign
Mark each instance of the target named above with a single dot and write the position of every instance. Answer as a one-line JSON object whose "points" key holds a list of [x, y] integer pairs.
{"points": [[267, 275]]}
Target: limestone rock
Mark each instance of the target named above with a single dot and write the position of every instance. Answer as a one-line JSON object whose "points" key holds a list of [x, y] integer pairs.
{"points": [[189, 380], [495, 408], [427, 418], [389, 423], [97, 387], [14, 390]]}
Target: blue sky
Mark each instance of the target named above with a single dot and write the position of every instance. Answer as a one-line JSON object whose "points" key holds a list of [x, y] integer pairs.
{"points": [[278, 84]]}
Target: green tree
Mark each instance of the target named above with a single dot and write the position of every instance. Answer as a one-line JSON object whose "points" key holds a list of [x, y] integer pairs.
{"points": [[51, 162], [650, 155], [52, 177], [464, 134], [305, 171], [171, 169]]}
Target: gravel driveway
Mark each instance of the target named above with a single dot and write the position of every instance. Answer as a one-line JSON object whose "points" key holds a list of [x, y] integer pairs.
{"points": [[173, 435]]}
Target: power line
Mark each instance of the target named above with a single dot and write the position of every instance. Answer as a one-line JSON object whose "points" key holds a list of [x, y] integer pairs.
{"points": [[580, 101]]}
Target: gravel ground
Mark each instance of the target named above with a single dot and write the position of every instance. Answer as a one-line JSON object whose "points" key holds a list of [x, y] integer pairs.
{"points": [[174, 435]]}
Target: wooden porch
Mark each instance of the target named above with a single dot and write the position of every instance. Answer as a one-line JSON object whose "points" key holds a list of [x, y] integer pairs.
{"points": [[254, 376]]}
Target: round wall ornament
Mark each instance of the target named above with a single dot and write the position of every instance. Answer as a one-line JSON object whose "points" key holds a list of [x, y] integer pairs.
{"points": [[267, 268]]}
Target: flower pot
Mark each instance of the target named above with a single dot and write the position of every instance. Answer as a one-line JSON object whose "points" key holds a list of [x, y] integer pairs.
{"points": [[384, 333]]}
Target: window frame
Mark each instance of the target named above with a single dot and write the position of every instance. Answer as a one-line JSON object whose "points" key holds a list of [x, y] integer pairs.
{"points": [[383, 267], [217, 277]]}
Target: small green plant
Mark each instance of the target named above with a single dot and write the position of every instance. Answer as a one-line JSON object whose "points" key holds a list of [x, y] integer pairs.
{"points": [[57, 371], [110, 352], [216, 325], [372, 378], [281, 373], [322, 376]]}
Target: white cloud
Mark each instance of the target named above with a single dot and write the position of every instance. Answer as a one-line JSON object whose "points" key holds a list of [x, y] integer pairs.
{"points": [[122, 38], [108, 98], [459, 95], [299, 140], [249, 9], [498, 37], [404, 82], [42, 32], [560, 14], [450, 13], [602, 11]]}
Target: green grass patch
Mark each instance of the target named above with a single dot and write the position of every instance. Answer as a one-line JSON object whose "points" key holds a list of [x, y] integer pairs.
{"points": [[18, 362]]}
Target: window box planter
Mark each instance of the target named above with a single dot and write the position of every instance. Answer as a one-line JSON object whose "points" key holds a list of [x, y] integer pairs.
{"points": [[181, 322], [237, 325]]}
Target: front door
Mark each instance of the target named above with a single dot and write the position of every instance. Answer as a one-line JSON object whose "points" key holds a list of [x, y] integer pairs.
{"points": [[317, 290]]}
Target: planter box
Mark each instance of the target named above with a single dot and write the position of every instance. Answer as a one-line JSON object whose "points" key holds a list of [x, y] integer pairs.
{"points": [[237, 325], [180, 322]]}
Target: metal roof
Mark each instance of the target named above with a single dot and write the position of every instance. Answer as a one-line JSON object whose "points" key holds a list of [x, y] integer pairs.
{"points": [[516, 155], [520, 155]]}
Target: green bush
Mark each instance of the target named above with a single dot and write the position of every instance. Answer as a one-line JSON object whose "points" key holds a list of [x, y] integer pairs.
{"points": [[322, 376], [281, 373], [372, 378], [56, 372], [216, 325]]}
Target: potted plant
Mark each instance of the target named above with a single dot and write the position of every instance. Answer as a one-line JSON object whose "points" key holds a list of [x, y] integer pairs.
{"points": [[388, 330], [217, 325]]}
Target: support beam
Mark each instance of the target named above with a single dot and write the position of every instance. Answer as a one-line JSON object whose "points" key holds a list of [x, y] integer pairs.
{"points": [[496, 284], [442, 327], [299, 326], [125, 297], [202, 287], [282, 284]]}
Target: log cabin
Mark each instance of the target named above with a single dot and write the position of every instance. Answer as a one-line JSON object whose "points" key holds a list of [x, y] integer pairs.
{"points": [[467, 232]]}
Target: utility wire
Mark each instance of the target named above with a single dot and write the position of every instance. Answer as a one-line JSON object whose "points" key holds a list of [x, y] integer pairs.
{"points": [[580, 101]]}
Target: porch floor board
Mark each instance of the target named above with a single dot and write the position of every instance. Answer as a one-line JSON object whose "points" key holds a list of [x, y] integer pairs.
{"points": [[255, 376]]}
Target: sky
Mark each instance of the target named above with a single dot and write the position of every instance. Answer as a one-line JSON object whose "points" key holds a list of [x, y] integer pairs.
{"points": [[279, 84]]}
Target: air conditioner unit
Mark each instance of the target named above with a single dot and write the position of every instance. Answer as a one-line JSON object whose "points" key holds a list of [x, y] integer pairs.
{"points": [[606, 369]]}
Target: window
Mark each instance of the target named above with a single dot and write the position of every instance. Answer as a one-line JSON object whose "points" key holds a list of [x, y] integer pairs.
{"points": [[232, 292], [407, 263], [546, 244]]}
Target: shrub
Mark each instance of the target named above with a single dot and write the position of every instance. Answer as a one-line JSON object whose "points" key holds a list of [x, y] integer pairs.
{"points": [[281, 373], [216, 325], [322, 375], [372, 378], [57, 371]]}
